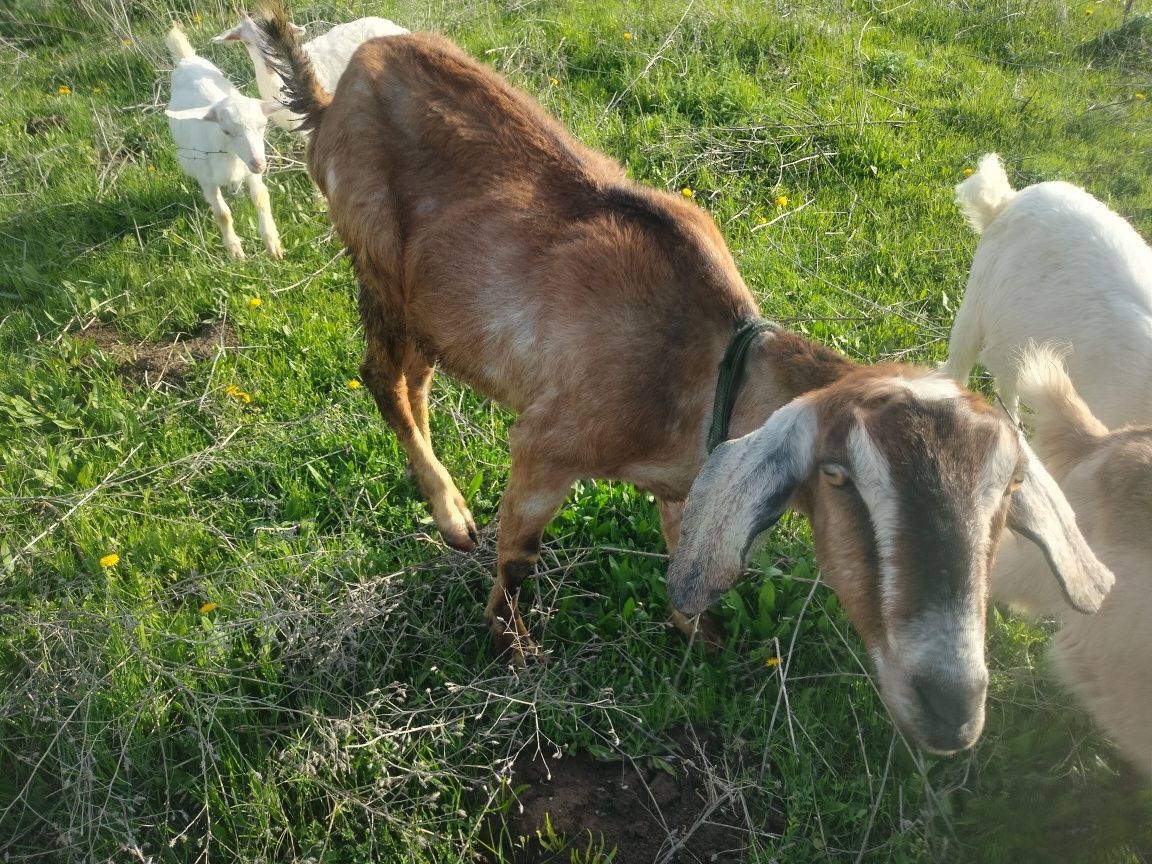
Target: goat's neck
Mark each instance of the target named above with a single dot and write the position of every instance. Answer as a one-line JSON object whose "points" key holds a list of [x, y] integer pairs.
{"points": [[268, 80], [779, 367]]}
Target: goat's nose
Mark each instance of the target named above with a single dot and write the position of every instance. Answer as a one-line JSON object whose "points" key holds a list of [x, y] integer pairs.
{"points": [[257, 166], [952, 711]]}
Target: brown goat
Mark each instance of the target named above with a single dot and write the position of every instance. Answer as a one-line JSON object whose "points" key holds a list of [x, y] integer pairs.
{"points": [[1106, 660], [488, 241]]}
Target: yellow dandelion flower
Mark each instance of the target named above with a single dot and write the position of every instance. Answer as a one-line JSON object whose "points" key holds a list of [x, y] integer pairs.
{"points": [[209, 607], [126, 42], [1139, 96], [968, 172], [196, 19], [553, 82], [64, 90], [761, 220], [688, 192], [781, 201], [353, 384], [151, 169], [627, 35], [238, 394], [772, 662], [255, 301], [1089, 11], [110, 560], [97, 89]]}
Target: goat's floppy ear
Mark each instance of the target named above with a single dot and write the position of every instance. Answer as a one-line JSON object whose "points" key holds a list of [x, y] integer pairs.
{"points": [[740, 492], [1040, 512], [271, 106], [204, 112], [297, 29], [232, 35]]}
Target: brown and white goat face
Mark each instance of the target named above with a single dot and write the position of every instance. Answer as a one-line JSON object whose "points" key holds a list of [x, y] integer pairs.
{"points": [[908, 482]]}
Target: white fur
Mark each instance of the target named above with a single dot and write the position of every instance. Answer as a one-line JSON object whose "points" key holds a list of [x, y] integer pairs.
{"points": [[219, 135], [874, 482], [1054, 264], [928, 387], [1105, 659], [329, 53]]}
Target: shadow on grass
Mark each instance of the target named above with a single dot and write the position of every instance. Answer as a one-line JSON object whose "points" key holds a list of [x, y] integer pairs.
{"points": [[43, 248], [1127, 46]]}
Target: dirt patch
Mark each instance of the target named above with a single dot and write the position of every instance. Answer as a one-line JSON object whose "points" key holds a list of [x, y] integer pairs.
{"points": [[652, 812], [45, 123], [159, 364]]}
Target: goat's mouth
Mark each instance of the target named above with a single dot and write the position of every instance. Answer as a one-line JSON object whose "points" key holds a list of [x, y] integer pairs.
{"points": [[942, 714]]}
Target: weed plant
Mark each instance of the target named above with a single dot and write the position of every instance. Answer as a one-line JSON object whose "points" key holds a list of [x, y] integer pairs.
{"points": [[229, 631]]}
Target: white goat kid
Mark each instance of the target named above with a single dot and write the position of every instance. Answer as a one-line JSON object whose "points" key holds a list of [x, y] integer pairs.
{"points": [[1105, 659], [1056, 265], [219, 134], [329, 53]]}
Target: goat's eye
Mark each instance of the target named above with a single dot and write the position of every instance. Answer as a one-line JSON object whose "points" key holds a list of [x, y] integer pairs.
{"points": [[1015, 483], [836, 475]]}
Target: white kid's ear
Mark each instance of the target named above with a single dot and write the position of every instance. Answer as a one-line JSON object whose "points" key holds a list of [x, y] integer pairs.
{"points": [[271, 106], [203, 112], [297, 29], [1040, 512], [741, 491]]}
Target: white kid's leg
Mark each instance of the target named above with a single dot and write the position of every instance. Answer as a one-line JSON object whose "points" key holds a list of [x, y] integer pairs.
{"points": [[215, 199], [264, 215]]}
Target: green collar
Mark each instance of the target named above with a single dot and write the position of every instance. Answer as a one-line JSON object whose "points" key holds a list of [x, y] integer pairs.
{"points": [[729, 380]]}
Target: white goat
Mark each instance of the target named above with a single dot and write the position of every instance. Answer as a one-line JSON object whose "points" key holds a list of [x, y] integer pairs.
{"points": [[329, 53], [219, 134], [1056, 265], [1105, 659]]}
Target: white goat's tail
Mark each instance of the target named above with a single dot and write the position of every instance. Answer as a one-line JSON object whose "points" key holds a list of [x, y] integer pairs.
{"points": [[178, 45], [983, 195], [1066, 429]]}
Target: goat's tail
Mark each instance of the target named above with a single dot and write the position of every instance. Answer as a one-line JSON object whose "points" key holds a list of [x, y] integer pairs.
{"points": [[281, 48], [178, 45], [983, 195], [1066, 429]]}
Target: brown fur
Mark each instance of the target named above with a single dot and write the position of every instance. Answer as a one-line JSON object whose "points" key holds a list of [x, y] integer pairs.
{"points": [[1107, 478]]}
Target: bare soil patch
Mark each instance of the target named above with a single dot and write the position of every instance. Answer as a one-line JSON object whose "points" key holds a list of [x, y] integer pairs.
{"points": [[164, 363], [651, 812]]}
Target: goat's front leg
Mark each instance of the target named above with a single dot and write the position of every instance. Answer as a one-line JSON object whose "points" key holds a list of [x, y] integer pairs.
{"points": [[382, 371], [259, 193], [535, 491], [215, 198], [704, 626]]}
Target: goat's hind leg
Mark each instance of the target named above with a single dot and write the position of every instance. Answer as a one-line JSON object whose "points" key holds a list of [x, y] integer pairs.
{"points": [[418, 377], [383, 373]]}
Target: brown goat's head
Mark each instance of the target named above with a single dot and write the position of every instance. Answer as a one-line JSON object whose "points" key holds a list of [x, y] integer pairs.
{"points": [[908, 481]]}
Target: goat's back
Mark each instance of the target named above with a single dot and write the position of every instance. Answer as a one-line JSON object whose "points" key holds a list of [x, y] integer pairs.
{"points": [[522, 261], [1057, 265], [330, 52], [197, 82]]}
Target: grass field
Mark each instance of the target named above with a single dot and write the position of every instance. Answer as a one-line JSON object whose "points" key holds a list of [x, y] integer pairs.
{"points": [[286, 664]]}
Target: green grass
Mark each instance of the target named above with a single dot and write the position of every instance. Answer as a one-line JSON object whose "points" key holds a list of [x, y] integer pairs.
{"points": [[338, 703]]}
